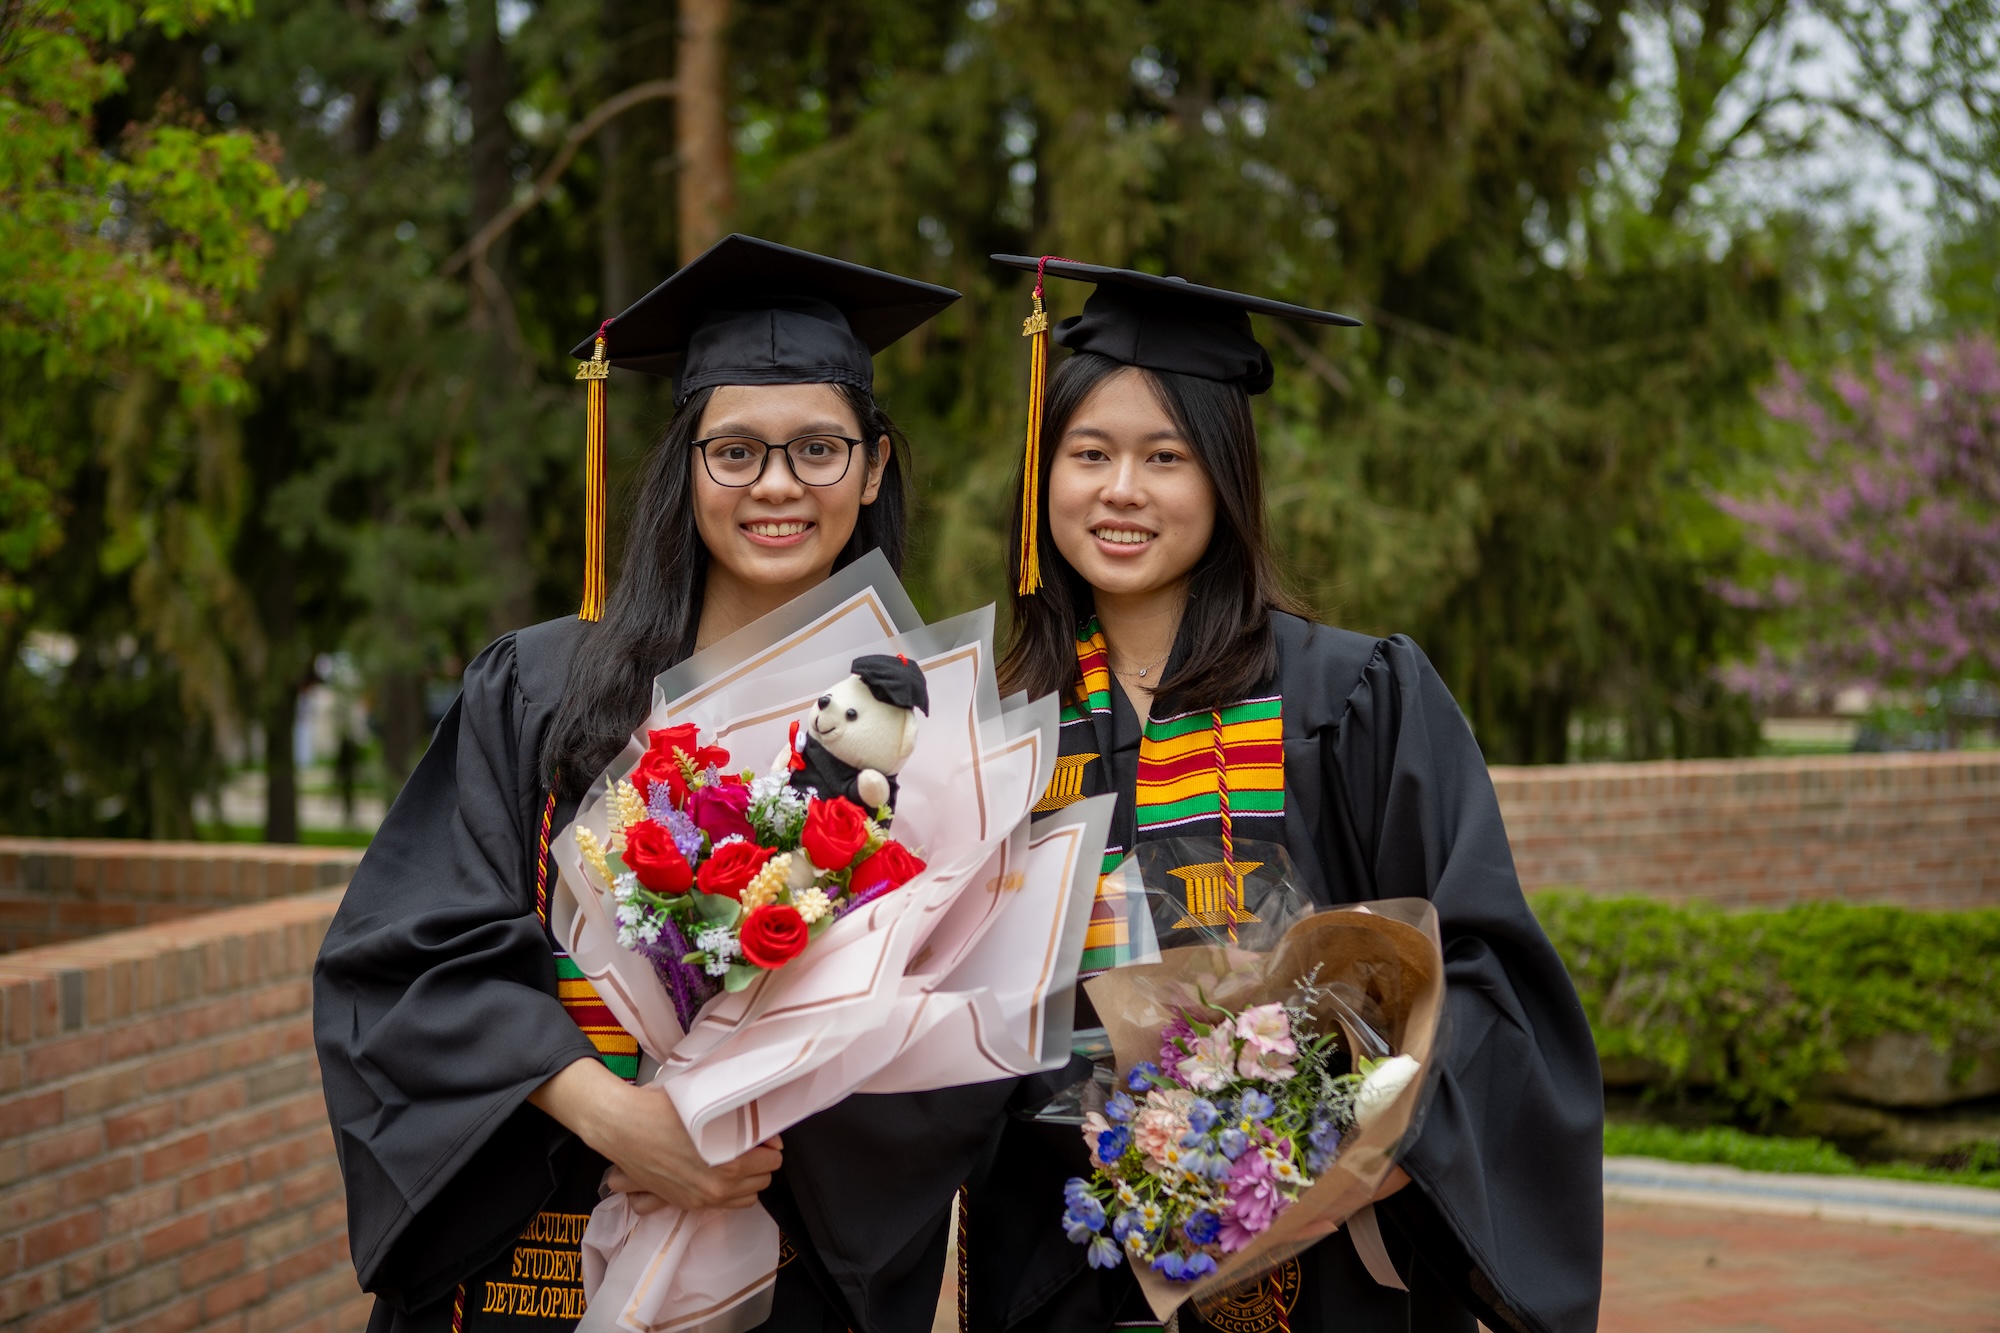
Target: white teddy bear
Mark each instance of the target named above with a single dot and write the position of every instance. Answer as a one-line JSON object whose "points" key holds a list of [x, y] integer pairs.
{"points": [[861, 733]]}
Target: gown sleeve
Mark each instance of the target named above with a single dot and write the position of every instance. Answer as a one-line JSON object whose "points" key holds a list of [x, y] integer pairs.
{"points": [[435, 1010], [1508, 1166]]}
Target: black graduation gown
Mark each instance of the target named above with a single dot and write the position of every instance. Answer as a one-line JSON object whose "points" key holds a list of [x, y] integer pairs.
{"points": [[435, 1014], [1386, 795]]}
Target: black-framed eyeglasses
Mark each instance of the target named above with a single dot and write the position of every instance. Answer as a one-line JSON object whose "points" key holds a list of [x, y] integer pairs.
{"points": [[740, 460]]}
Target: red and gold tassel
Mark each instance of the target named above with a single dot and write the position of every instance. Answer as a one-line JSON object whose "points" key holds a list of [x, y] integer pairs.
{"points": [[1036, 330], [594, 373]]}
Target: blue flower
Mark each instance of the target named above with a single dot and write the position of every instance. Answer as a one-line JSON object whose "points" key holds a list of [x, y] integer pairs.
{"points": [[1203, 1227], [1118, 1108], [1124, 1225], [1075, 1190], [1324, 1142], [1086, 1212], [1142, 1076], [1201, 1115], [1255, 1105], [1103, 1253], [1112, 1143], [1198, 1266], [1172, 1265], [1233, 1143], [1074, 1228]]}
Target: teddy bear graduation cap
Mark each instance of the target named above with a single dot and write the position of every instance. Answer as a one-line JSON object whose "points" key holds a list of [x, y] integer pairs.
{"points": [[744, 311], [861, 733], [1141, 319]]}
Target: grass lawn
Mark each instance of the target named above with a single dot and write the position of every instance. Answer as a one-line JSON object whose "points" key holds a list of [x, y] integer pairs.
{"points": [[312, 837], [1760, 1152]]}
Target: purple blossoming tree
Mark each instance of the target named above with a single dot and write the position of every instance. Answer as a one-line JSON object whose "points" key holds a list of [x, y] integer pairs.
{"points": [[1886, 547]]}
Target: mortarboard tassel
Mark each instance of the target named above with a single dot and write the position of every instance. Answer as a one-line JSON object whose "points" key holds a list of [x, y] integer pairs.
{"points": [[1035, 328], [594, 373]]}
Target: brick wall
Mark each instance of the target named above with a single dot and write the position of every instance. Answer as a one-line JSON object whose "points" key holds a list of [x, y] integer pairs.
{"points": [[165, 1161], [54, 889], [1917, 830]]}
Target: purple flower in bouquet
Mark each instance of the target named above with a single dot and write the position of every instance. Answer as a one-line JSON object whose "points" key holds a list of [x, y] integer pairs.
{"points": [[1172, 1047], [1232, 1143], [1112, 1143], [1102, 1253], [1118, 1107], [1142, 1076], [1255, 1105], [1201, 1115], [720, 810], [687, 838], [1253, 1200], [1322, 1142], [686, 985]]}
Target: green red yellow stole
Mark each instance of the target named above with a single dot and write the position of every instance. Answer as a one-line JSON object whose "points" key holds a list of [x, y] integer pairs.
{"points": [[1217, 773]]}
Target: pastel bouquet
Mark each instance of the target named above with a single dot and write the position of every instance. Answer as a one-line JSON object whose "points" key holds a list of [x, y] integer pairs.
{"points": [[1258, 1075], [1203, 1148], [733, 873], [865, 908]]}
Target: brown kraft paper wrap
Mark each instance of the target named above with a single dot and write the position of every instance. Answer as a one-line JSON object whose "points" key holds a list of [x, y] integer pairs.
{"points": [[1389, 952]]}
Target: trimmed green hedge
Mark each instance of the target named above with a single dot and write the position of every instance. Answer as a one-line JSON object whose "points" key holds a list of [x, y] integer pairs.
{"points": [[1754, 1005]]}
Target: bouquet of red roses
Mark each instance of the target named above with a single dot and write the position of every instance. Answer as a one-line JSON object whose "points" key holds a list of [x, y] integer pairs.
{"points": [[732, 873]]}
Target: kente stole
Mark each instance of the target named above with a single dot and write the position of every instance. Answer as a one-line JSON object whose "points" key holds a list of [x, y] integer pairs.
{"points": [[537, 1282], [1183, 761]]}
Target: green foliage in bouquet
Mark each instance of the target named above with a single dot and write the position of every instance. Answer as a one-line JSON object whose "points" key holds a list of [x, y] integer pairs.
{"points": [[1757, 1004]]}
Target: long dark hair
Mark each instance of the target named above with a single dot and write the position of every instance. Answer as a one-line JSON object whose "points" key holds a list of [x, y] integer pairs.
{"points": [[1224, 648], [654, 611]]}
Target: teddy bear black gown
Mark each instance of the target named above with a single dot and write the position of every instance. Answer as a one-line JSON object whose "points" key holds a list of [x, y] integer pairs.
{"points": [[436, 1013]]}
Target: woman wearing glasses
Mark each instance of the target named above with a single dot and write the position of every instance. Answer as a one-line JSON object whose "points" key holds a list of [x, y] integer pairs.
{"points": [[479, 1095]]}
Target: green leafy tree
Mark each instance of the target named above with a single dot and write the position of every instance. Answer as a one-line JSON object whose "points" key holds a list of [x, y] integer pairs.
{"points": [[127, 250]]}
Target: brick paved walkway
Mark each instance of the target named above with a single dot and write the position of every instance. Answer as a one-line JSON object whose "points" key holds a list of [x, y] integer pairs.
{"points": [[1670, 1270]]}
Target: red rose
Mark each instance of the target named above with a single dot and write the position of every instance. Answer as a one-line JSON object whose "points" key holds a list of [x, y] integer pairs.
{"points": [[651, 855], [661, 762], [889, 866], [772, 935], [733, 865], [834, 832], [718, 810]]}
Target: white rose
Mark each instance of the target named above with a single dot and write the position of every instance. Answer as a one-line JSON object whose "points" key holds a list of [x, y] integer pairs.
{"points": [[1383, 1085]]}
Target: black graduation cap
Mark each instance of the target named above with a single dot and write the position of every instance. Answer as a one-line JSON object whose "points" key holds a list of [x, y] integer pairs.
{"points": [[1141, 319], [744, 311], [1170, 324], [894, 680], [748, 311]]}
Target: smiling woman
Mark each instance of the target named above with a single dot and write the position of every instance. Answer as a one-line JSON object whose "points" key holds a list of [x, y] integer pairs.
{"points": [[480, 1092], [1235, 732]]}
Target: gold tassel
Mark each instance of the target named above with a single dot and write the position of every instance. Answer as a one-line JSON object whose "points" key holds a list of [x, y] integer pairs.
{"points": [[594, 372], [1036, 330]]}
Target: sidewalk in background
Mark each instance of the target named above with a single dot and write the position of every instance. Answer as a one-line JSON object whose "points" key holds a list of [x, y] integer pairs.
{"points": [[1670, 1269]]}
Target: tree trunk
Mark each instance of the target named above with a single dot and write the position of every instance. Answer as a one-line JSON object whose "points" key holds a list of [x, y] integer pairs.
{"points": [[612, 235], [504, 523], [281, 774], [400, 698], [701, 124]]}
